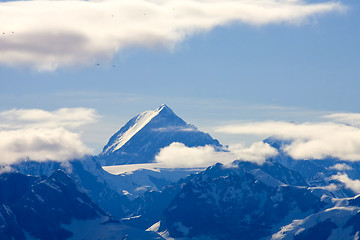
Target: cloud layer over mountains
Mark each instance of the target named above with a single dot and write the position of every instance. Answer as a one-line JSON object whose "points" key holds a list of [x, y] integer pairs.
{"points": [[179, 155], [45, 35], [54, 135], [309, 140]]}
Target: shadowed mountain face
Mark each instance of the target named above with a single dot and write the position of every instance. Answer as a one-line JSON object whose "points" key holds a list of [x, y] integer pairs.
{"points": [[40, 205], [144, 135], [89, 177], [52, 208]]}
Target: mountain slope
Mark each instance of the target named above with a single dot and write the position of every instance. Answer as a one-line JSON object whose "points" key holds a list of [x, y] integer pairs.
{"points": [[246, 202], [144, 135], [102, 187], [40, 205], [318, 173], [33, 207], [339, 222]]}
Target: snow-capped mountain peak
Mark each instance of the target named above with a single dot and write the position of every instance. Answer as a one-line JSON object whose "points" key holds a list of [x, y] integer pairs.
{"points": [[141, 120], [144, 135]]}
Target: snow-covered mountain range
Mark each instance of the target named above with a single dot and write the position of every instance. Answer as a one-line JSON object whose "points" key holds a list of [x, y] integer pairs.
{"points": [[282, 198], [256, 202]]}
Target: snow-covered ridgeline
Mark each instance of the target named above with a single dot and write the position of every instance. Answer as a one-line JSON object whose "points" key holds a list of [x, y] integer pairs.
{"points": [[141, 121]]}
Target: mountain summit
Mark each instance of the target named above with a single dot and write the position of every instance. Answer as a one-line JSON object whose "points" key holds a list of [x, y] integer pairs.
{"points": [[144, 135]]}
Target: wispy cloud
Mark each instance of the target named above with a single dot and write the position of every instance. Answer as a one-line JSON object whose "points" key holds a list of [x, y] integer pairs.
{"points": [[174, 129], [42, 135], [179, 155], [308, 140], [354, 185], [332, 187], [347, 118], [45, 35], [63, 117], [341, 167]]}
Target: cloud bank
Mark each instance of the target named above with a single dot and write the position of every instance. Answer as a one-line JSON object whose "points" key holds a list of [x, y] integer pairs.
{"points": [[45, 35], [42, 135], [308, 140], [179, 155]]}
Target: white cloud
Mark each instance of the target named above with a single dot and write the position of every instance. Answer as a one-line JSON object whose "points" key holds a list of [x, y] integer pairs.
{"points": [[63, 117], [341, 167], [258, 152], [308, 140], [40, 145], [347, 118], [354, 185], [179, 155], [48, 34], [41, 135]]}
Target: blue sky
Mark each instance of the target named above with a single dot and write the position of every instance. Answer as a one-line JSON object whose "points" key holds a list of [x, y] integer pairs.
{"points": [[296, 70]]}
